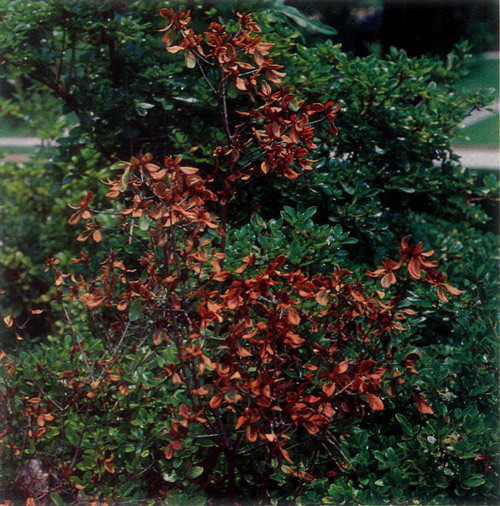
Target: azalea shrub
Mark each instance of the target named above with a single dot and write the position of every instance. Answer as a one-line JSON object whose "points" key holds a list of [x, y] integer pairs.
{"points": [[231, 328]]}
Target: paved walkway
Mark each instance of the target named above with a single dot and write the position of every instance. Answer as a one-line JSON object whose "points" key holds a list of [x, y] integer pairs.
{"points": [[492, 55], [20, 142], [474, 158], [479, 115]]}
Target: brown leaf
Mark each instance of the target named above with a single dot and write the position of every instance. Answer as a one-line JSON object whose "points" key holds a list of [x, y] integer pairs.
{"points": [[215, 401], [328, 410], [328, 389], [84, 235], [221, 276], [293, 340], [109, 467], [293, 316], [121, 306], [203, 390], [375, 402], [190, 60], [93, 300], [9, 320], [453, 290], [96, 235], [240, 84], [423, 406], [414, 268], [40, 432], [124, 390], [286, 456], [189, 170], [251, 434], [169, 452], [442, 294], [342, 367], [311, 399], [75, 218], [157, 336], [322, 298], [243, 352]]}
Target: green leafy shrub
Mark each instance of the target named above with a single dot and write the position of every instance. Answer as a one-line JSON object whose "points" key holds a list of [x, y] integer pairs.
{"points": [[107, 391]]}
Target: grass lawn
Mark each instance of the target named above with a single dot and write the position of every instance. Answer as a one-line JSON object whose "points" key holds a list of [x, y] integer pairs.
{"points": [[15, 150], [12, 128], [484, 73], [485, 134], [23, 154]]}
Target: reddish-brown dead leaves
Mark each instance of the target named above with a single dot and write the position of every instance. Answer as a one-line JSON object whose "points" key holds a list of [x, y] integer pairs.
{"points": [[416, 261]]}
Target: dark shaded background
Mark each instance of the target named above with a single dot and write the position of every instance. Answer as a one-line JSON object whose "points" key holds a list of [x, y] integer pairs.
{"points": [[418, 26]]}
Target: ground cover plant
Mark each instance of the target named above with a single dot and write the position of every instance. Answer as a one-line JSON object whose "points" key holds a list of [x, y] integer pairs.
{"points": [[254, 308]]}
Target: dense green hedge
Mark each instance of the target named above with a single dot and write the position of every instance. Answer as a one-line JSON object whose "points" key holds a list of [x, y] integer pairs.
{"points": [[390, 172]]}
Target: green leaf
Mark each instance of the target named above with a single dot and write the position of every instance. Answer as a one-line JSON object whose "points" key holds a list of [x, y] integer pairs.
{"points": [[308, 23], [126, 488], [125, 179], [319, 27], [171, 478], [135, 310], [232, 91], [118, 166], [190, 60], [144, 222], [476, 480], [309, 213], [195, 471], [350, 240], [404, 423], [71, 434], [142, 108], [56, 499]]}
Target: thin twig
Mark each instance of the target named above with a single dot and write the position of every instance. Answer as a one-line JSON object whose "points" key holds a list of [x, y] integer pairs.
{"points": [[225, 119], [84, 355], [335, 442], [41, 389], [80, 440], [483, 303], [61, 59], [343, 389]]}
